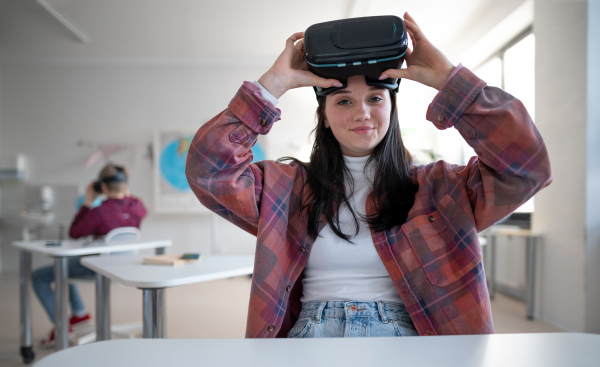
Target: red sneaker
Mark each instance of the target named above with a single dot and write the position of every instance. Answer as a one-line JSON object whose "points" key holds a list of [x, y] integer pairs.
{"points": [[76, 321], [49, 341]]}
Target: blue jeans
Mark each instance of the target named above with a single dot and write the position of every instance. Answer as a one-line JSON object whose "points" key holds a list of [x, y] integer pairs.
{"points": [[44, 276], [352, 319]]}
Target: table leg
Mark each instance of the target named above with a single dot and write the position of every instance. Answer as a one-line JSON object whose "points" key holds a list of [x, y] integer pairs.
{"points": [[61, 292], [102, 307], [492, 265], [530, 296], [25, 306], [154, 313]]}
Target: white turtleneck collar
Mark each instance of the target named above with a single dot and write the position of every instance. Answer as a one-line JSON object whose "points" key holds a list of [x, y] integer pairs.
{"points": [[356, 166]]}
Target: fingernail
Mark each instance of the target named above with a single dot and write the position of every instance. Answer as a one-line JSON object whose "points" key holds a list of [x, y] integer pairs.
{"points": [[384, 76], [338, 84]]}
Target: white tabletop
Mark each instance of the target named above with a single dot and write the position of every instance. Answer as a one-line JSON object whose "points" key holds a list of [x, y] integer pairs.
{"points": [[514, 350], [82, 247], [130, 270], [509, 231]]}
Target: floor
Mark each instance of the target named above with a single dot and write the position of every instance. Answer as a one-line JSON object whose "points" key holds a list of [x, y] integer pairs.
{"points": [[215, 309]]}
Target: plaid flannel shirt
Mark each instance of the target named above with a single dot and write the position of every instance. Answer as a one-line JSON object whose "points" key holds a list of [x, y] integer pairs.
{"points": [[434, 259]]}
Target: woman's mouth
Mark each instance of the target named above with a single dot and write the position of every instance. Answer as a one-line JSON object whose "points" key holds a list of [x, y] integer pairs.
{"points": [[363, 129]]}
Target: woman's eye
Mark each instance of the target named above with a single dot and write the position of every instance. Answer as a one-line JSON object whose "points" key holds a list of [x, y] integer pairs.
{"points": [[376, 99], [344, 102]]}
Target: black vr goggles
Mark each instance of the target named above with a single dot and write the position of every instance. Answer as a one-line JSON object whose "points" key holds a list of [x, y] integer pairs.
{"points": [[119, 176], [356, 46]]}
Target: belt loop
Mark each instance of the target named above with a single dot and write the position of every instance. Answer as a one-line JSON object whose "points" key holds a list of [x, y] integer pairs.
{"points": [[382, 313], [320, 312]]}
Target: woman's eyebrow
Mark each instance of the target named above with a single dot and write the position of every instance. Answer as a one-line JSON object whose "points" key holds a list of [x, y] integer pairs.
{"points": [[346, 91], [340, 91]]}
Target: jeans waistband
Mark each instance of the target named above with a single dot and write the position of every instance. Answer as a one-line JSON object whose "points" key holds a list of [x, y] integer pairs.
{"points": [[345, 309]]}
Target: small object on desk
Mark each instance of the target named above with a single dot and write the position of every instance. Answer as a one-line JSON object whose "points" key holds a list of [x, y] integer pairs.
{"points": [[190, 256], [53, 243], [171, 259]]}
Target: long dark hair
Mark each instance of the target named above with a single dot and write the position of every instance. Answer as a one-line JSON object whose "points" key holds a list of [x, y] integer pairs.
{"points": [[393, 189]]}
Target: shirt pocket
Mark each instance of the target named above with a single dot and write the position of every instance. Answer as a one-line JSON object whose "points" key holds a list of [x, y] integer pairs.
{"points": [[445, 242]]}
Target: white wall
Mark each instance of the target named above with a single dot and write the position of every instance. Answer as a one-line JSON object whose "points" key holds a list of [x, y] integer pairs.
{"points": [[564, 215], [592, 286]]}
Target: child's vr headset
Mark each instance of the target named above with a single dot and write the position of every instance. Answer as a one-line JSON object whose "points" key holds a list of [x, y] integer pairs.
{"points": [[356, 46], [119, 176]]}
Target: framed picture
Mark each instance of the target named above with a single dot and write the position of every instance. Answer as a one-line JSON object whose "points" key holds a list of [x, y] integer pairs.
{"points": [[172, 193]]}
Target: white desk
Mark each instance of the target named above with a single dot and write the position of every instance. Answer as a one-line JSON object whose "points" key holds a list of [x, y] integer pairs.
{"points": [[501, 350], [153, 279], [68, 248]]}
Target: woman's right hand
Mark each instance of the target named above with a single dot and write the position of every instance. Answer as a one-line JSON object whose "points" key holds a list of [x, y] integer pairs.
{"points": [[291, 71]]}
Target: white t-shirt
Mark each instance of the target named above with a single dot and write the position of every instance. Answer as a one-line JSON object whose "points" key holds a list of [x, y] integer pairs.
{"points": [[341, 271]]}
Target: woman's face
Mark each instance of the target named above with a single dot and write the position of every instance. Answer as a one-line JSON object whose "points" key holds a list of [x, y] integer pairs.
{"points": [[358, 116]]}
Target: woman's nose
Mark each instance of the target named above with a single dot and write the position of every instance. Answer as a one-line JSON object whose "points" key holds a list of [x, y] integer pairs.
{"points": [[361, 112]]}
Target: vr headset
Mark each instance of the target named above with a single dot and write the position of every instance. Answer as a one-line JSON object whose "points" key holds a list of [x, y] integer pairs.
{"points": [[117, 177], [356, 46]]}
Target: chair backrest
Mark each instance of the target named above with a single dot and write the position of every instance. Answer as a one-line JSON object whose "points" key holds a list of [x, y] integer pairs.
{"points": [[123, 234]]}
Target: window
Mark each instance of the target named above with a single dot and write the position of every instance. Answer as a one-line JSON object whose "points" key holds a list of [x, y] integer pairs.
{"points": [[512, 69]]}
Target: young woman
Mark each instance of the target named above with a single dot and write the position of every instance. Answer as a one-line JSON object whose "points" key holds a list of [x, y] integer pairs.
{"points": [[358, 242]]}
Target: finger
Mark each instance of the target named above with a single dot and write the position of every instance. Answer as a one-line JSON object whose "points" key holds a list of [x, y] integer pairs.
{"points": [[317, 81], [395, 74], [412, 27], [293, 38], [411, 35], [410, 18], [300, 45]]}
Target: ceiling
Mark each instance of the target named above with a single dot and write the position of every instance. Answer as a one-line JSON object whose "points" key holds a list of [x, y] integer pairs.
{"points": [[213, 32]]}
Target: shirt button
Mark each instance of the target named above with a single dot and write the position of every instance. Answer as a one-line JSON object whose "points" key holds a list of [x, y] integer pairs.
{"points": [[271, 328], [441, 117], [431, 218], [288, 288], [263, 122], [302, 249]]}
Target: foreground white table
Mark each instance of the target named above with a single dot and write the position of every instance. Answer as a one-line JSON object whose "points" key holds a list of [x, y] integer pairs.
{"points": [[153, 279], [501, 350], [66, 249]]}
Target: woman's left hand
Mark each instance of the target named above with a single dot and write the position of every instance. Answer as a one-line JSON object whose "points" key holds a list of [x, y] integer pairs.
{"points": [[424, 63]]}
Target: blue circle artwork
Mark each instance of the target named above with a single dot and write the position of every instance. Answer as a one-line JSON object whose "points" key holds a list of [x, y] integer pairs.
{"points": [[172, 163], [258, 152]]}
